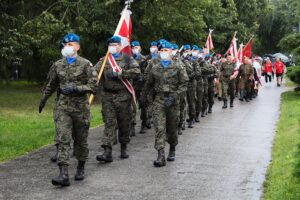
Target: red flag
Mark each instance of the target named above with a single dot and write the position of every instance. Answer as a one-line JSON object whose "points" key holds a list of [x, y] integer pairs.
{"points": [[124, 30], [209, 42], [247, 51]]}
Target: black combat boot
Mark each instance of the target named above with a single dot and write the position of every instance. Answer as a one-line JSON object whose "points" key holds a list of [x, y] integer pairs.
{"points": [[80, 171], [247, 97], [210, 109], [190, 123], [171, 156], [225, 104], [231, 103], [203, 113], [63, 178], [161, 160], [106, 156], [54, 157], [124, 154], [197, 118], [148, 123], [183, 126], [179, 130], [143, 128]]}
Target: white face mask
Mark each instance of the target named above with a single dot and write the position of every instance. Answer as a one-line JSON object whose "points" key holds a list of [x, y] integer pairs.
{"points": [[164, 56], [174, 52], [195, 54], [112, 49], [153, 50], [135, 51], [68, 51]]}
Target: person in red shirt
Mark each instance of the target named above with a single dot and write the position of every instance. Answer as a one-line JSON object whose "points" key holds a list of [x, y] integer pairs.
{"points": [[268, 69], [279, 70]]}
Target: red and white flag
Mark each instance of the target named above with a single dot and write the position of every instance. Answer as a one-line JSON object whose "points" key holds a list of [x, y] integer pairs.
{"points": [[124, 30], [233, 48], [209, 42]]}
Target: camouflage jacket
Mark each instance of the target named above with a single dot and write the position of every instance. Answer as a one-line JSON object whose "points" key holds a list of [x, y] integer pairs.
{"points": [[172, 80], [227, 69], [81, 74], [245, 70], [111, 84]]}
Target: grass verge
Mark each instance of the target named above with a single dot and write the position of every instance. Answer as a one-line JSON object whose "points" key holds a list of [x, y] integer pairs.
{"points": [[283, 177], [22, 128]]}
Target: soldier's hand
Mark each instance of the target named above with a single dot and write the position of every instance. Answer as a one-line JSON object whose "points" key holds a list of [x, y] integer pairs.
{"points": [[69, 89], [42, 105], [169, 101]]}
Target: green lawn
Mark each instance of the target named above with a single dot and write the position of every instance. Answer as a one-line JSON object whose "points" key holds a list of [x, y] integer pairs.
{"points": [[283, 177], [22, 128]]}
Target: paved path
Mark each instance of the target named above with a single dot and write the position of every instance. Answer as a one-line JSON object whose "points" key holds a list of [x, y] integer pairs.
{"points": [[224, 157]]}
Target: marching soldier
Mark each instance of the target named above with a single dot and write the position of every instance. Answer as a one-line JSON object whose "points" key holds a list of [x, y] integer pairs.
{"points": [[138, 85], [169, 80], [116, 99], [245, 76], [228, 74], [75, 77]]}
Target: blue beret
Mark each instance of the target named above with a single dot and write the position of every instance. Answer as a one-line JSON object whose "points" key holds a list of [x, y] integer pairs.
{"points": [[135, 43], [165, 45], [201, 50], [187, 47], [154, 43], [71, 37], [195, 47], [114, 39], [175, 46]]}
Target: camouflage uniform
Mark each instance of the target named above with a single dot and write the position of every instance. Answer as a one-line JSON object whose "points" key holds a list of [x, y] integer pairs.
{"points": [[193, 71], [138, 85], [211, 75], [245, 74], [150, 96], [72, 114], [116, 100], [167, 82], [226, 70], [200, 87]]}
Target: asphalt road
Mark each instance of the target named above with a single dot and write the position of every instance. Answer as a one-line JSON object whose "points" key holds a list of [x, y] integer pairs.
{"points": [[223, 157]]}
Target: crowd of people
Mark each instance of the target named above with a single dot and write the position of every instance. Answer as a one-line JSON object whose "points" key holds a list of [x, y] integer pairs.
{"points": [[173, 89]]}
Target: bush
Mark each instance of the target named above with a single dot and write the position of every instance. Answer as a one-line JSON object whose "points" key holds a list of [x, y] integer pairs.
{"points": [[294, 74]]}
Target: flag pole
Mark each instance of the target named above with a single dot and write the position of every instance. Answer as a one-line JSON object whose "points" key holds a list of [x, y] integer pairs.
{"points": [[91, 98]]}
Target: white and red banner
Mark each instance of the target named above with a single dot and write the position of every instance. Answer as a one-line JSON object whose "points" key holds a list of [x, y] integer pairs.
{"points": [[124, 30], [233, 48], [247, 51], [117, 69], [209, 42]]}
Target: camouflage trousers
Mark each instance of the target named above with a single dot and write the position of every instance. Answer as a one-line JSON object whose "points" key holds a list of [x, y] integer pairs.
{"points": [[211, 92], [117, 112], [205, 95], [199, 95], [72, 123], [143, 107], [228, 87], [165, 121], [191, 99], [182, 109]]}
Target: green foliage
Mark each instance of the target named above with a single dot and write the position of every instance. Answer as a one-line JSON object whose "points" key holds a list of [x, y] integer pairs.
{"points": [[31, 31], [282, 178], [294, 74], [23, 129]]}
